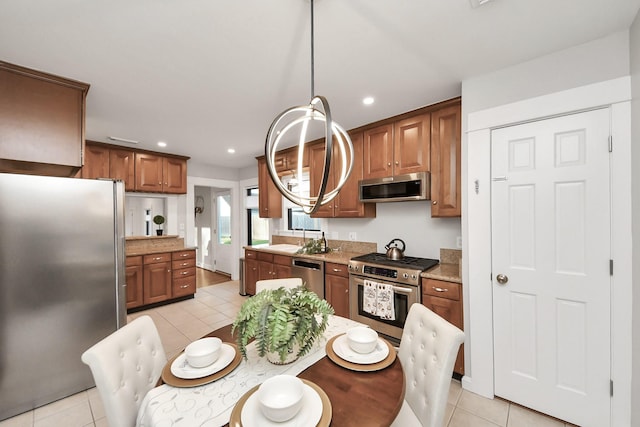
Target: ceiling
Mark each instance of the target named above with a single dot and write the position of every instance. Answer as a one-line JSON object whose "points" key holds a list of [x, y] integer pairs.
{"points": [[208, 75]]}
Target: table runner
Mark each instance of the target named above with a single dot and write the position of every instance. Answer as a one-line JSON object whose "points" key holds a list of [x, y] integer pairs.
{"points": [[211, 404]]}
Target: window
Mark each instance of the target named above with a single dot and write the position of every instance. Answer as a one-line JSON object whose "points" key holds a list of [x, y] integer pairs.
{"points": [[257, 228], [224, 219], [298, 220]]}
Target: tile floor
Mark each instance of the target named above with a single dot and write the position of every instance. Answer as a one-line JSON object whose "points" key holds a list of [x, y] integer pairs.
{"points": [[215, 306]]}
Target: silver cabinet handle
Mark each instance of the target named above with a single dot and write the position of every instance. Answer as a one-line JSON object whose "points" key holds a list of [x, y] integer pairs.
{"points": [[184, 286], [502, 279], [435, 202], [435, 288], [184, 272], [337, 270]]}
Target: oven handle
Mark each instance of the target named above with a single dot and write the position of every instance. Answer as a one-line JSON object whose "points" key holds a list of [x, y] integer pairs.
{"points": [[402, 290]]}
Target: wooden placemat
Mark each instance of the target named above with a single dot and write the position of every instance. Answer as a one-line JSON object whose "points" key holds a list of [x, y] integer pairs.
{"points": [[361, 367], [325, 419], [172, 380]]}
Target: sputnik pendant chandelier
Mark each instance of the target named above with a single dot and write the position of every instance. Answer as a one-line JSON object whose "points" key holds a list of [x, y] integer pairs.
{"points": [[301, 116]]}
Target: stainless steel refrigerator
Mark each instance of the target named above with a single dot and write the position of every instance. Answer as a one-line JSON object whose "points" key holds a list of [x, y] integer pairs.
{"points": [[61, 283]]}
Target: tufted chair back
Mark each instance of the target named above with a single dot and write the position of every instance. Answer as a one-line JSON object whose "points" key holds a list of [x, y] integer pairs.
{"points": [[428, 350], [125, 366], [292, 282]]}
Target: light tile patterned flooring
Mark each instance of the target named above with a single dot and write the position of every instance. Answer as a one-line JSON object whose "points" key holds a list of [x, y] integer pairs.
{"points": [[215, 306]]}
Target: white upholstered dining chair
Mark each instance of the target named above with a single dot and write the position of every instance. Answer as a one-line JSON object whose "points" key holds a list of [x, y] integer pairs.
{"points": [[428, 351], [125, 366], [290, 282]]}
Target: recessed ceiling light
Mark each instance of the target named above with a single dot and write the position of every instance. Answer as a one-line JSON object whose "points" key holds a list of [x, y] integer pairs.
{"points": [[162, 144], [231, 150], [368, 100]]}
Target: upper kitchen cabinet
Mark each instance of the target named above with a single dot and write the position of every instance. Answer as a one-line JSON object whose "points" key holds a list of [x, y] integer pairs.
{"points": [[398, 147], [269, 198], [286, 161], [42, 122], [106, 161], [346, 204], [155, 173], [445, 161]]}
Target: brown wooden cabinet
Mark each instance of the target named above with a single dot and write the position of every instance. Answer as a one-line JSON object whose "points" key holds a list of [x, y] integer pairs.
{"points": [[155, 173], [133, 280], [42, 122], [445, 299], [106, 161], [398, 148], [336, 286], [250, 271], [269, 198], [282, 266], [286, 161], [157, 278], [445, 162], [346, 204], [183, 264]]}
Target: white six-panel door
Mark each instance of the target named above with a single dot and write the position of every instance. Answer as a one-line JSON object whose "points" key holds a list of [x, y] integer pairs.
{"points": [[551, 278]]}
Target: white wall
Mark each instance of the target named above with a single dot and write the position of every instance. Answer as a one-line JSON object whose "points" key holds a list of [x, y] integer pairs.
{"points": [[599, 60], [634, 50]]}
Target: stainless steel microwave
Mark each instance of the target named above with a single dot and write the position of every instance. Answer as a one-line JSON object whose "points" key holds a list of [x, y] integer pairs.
{"points": [[413, 186]]}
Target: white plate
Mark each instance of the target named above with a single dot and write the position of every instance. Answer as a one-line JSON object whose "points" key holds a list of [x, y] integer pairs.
{"points": [[309, 415], [342, 349], [181, 369]]}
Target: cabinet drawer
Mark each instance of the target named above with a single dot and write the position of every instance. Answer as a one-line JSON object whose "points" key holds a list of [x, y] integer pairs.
{"points": [[154, 258], [133, 260], [184, 272], [336, 269], [282, 260], [250, 254], [183, 263], [263, 256], [441, 289], [184, 286], [183, 254]]}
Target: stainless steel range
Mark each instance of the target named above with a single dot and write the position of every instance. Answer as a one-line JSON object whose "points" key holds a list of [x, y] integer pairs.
{"points": [[403, 276]]}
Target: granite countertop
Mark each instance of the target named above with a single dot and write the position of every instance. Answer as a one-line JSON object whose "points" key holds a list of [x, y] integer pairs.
{"points": [[446, 272], [339, 257], [151, 251]]}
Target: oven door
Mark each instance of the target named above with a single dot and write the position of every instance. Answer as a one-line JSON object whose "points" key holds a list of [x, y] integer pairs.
{"points": [[404, 297]]}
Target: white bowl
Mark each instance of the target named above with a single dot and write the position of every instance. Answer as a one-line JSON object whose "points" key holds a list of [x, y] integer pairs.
{"points": [[362, 339], [203, 352], [280, 397]]}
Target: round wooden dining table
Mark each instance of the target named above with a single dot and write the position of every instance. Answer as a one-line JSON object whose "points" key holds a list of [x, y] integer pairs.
{"points": [[357, 398]]}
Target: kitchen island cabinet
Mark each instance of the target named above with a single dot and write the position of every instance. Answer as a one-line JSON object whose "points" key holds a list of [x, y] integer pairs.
{"points": [[264, 266], [445, 162], [250, 271], [445, 299], [336, 287]]}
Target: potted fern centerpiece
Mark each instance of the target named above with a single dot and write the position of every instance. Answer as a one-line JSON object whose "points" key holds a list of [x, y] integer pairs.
{"points": [[284, 322]]}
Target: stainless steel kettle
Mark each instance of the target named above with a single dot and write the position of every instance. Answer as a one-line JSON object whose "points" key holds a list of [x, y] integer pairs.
{"points": [[394, 252]]}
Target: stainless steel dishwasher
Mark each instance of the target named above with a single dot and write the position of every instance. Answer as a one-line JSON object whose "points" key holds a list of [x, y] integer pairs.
{"points": [[311, 272]]}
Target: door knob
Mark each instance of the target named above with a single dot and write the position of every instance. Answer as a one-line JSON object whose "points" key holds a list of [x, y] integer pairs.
{"points": [[502, 279]]}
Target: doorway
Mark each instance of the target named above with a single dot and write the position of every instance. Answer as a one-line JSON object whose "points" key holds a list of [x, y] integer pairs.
{"points": [[550, 253]]}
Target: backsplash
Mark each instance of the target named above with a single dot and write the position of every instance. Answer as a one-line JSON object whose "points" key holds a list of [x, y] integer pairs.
{"points": [[340, 245]]}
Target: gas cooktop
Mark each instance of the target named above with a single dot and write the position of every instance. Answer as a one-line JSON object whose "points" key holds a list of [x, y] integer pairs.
{"points": [[421, 264]]}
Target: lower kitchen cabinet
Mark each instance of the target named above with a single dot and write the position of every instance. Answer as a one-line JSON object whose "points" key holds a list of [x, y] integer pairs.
{"points": [[157, 278], [160, 277], [133, 279], [250, 271], [445, 299], [260, 265], [336, 287]]}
